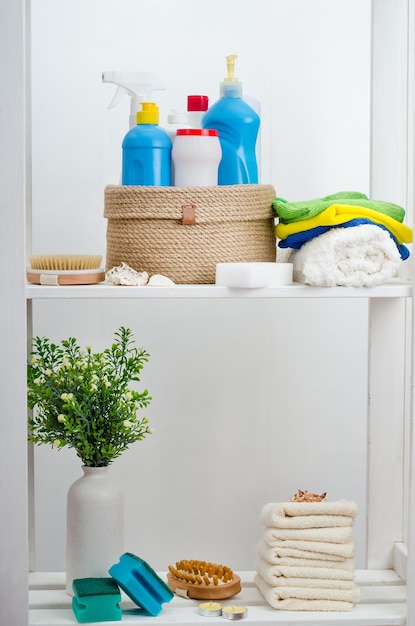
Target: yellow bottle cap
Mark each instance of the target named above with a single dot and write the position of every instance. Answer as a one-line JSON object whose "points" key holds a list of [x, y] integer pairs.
{"points": [[149, 113]]}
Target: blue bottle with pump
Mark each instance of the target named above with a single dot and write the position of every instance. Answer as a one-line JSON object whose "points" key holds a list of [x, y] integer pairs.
{"points": [[146, 150], [237, 124]]}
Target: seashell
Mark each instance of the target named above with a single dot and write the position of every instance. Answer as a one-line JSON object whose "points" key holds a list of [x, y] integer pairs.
{"points": [[125, 275], [158, 280]]}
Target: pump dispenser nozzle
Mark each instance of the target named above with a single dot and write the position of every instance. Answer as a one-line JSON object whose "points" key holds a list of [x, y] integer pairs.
{"points": [[138, 85], [231, 87], [230, 64]]}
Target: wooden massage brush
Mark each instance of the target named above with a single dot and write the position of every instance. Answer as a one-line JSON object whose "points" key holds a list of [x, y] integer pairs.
{"points": [[202, 580]]}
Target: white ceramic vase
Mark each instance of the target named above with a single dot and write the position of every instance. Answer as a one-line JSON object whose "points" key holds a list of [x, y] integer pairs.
{"points": [[95, 525]]}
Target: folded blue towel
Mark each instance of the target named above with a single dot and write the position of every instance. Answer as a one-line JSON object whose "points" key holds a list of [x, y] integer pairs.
{"points": [[296, 240]]}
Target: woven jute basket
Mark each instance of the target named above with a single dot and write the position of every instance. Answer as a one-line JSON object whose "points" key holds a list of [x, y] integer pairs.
{"points": [[182, 232]]}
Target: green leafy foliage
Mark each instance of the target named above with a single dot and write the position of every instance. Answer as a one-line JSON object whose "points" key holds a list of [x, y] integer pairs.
{"points": [[83, 400]]}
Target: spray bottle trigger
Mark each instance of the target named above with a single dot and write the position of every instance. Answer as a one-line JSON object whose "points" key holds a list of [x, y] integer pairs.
{"points": [[120, 92]]}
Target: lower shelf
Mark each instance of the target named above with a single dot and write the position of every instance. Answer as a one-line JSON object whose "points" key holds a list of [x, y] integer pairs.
{"points": [[383, 603]]}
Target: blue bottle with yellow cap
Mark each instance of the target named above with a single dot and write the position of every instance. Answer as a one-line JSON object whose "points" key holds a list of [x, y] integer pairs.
{"points": [[146, 150]]}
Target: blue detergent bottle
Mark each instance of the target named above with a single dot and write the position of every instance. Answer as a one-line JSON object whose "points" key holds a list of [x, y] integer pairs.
{"points": [[146, 150], [237, 124]]}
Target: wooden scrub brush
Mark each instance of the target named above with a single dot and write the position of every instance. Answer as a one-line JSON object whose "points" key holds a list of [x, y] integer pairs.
{"points": [[202, 580], [65, 269]]}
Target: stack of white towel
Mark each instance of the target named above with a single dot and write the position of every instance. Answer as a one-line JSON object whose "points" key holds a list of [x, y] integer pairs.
{"points": [[306, 556]]}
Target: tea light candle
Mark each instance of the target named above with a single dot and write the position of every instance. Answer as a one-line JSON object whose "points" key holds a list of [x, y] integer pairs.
{"points": [[234, 612], [210, 609]]}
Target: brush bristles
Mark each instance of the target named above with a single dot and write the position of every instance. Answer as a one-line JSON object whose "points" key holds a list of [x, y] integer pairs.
{"points": [[201, 572], [65, 261]]}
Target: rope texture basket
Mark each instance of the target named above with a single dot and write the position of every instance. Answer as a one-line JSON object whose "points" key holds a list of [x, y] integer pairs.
{"points": [[182, 232]]}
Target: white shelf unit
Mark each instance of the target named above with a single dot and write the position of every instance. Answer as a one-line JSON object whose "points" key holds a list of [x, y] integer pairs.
{"points": [[382, 585], [383, 593]]}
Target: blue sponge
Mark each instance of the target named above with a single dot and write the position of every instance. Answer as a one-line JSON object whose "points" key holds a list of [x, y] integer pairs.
{"points": [[141, 583], [96, 600]]}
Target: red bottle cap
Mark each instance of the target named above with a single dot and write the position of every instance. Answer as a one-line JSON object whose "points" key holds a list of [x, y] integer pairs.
{"points": [[197, 103], [205, 132]]}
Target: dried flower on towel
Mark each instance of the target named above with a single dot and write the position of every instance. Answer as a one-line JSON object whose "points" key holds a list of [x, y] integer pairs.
{"points": [[305, 496]]}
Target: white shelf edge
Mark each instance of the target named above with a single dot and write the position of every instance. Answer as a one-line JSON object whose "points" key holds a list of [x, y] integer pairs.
{"points": [[392, 289]]}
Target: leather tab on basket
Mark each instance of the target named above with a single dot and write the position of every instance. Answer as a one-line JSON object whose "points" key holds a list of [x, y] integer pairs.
{"points": [[188, 214]]}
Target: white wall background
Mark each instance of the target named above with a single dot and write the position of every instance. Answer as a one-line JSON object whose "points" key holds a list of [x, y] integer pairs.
{"points": [[308, 62], [252, 399]]}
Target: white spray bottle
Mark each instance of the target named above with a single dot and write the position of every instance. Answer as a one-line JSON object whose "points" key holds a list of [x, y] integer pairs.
{"points": [[138, 85]]}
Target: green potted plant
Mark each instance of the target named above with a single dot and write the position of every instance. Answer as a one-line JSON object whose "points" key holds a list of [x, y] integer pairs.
{"points": [[85, 400]]}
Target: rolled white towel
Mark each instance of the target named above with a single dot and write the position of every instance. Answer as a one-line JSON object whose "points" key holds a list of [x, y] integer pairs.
{"points": [[359, 256]]}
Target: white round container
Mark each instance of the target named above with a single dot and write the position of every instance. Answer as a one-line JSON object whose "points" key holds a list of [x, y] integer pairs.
{"points": [[196, 156]]}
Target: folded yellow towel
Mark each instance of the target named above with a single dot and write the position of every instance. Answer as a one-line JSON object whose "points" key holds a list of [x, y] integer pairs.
{"points": [[342, 213], [340, 534], [271, 573], [274, 556], [306, 593], [304, 576], [292, 600], [299, 515]]}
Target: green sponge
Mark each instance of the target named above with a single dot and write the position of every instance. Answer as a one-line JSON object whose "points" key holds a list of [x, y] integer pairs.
{"points": [[96, 600]]}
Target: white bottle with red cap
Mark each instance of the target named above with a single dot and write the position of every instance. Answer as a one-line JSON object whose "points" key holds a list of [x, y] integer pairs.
{"points": [[175, 120], [196, 155], [196, 108]]}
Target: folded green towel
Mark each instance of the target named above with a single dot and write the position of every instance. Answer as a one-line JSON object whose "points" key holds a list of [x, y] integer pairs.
{"points": [[289, 212]]}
